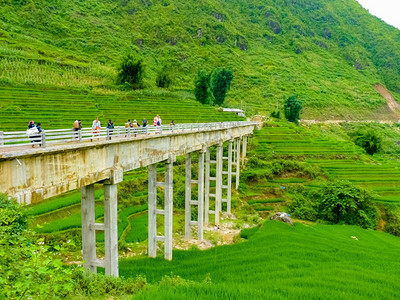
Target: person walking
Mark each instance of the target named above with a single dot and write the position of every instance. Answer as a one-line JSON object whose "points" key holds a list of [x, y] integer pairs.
{"points": [[172, 125], [39, 136], [144, 125], [157, 123], [128, 126], [110, 128], [96, 127], [76, 127], [135, 125]]}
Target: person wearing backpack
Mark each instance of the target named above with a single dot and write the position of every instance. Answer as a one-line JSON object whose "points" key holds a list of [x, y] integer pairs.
{"points": [[39, 135], [135, 125], [128, 126], [110, 127], [144, 125], [75, 127]]}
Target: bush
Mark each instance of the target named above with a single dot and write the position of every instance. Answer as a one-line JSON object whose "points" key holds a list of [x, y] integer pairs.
{"points": [[338, 202], [292, 109], [164, 79], [29, 268], [201, 88], [131, 72], [392, 225], [304, 207], [221, 82], [368, 139], [342, 202]]}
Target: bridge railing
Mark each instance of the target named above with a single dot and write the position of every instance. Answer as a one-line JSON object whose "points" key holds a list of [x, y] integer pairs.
{"points": [[60, 136]]}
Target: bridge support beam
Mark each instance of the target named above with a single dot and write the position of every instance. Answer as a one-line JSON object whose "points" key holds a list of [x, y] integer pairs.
{"points": [[218, 185], [167, 211], [152, 206], [111, 229], [237, 162], [244, 149], [110, 226], [188, 196], [88, 234], [200, 197], [229, 182], [207, 188]]}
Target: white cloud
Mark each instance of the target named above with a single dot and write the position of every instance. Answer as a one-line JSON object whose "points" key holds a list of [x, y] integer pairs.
{"points": [[387, 10]]}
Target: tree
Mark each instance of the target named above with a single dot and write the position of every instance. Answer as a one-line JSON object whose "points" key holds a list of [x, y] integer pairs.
{"points": [[221, 81], [368, 139], [343, 202], [201, 87], [131, 71], [292, 109], [164, 79]]}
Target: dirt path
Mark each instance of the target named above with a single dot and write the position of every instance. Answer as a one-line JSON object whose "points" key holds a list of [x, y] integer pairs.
{"points": [[391, 102]]}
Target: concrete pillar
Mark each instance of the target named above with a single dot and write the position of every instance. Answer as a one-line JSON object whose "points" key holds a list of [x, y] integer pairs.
{"points": [[88, 233], [218, 190], [207, 188], [237, 162], [188, 195], [200, 208], [152, 205], [111, 229], [244, 149], [229, 183], [168, 209]]}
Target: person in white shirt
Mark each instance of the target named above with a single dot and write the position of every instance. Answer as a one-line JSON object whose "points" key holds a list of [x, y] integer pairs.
{"points": [[96, 128]]}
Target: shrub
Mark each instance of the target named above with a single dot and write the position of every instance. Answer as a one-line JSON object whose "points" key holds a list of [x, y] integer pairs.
{"points": [[368, 139], [342, 202], [292, 109], [336, 202], [131, 72], [29, 268], [201, 87], [164, 79], [304, 207], [392, 225], [221, 81]]}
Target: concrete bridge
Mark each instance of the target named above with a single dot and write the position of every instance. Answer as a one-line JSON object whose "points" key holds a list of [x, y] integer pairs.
{"points": [[31, 175]]}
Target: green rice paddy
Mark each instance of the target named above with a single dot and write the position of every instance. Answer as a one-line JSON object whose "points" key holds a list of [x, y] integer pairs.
{"points": [[280, 262]]}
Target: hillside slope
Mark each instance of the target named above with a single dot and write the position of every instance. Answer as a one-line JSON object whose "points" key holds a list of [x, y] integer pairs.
{"points": [[329, 53]]}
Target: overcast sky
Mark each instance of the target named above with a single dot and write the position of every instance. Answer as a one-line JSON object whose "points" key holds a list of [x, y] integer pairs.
{"points": [[387, 10]]}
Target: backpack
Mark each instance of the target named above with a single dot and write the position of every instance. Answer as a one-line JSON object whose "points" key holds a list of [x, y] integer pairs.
{"points": [[76, 124], [158, 123]]}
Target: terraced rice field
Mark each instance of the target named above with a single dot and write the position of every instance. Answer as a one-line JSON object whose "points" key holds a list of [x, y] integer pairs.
{"points": [[337, 159], [60, 108], [279, 262]]}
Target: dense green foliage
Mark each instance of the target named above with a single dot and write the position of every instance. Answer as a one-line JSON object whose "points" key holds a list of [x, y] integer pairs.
{"points": [[368, 139], [220, 82], [26, 267], [282, 262], [131, 71], [337, 202], [201, 87], [328, 52], [164, 78], [293, 108]]}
